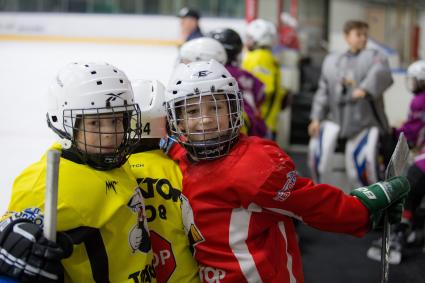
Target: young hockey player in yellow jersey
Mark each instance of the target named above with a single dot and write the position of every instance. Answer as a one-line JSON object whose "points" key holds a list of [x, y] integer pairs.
{"points": [[100, 214], [160, 182], [259, 61]]}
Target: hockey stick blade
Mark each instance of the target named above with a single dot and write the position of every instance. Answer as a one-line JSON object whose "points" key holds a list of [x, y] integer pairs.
{"points": [[395, 167], [398, 158], [51, 197]]}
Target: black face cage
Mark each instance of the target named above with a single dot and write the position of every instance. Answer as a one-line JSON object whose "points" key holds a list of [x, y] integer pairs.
{"points": [[107, 156], [210, 143]]}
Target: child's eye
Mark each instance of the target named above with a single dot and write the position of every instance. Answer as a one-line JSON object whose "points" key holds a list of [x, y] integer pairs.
{"points": [[117, 121], [220, 106], [93, 123], [192, 111]]}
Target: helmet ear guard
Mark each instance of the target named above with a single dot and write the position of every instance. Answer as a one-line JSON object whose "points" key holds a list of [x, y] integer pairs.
{"points": [[191, 87], [103, 93]]}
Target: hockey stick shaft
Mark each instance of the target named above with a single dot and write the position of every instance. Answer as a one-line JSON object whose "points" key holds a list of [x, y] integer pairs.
{"points": [[50, 203], [385, 249], [51, 198], [395, 167]]}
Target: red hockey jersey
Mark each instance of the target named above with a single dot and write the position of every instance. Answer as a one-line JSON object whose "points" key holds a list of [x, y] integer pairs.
{"points": [[238, 211]]}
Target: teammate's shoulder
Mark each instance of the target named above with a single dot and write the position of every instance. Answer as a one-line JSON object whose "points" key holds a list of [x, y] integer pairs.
{"points": [[155, 153], [237, 72], [150, 158], [36, 169], [259, 55]]}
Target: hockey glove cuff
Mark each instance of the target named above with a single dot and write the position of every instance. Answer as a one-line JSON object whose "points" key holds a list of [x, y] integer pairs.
{"points": [[381, 195], [388, 195]]}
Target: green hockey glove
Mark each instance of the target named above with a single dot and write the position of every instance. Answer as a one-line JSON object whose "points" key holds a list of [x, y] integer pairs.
{"points": [[395, 212], [389, 194]]}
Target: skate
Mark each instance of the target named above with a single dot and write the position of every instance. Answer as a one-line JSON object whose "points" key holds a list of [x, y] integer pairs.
{"points": [[396, 245]]}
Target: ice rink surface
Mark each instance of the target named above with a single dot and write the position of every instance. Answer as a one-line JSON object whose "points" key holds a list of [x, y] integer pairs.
{"points": [[26, 70]]}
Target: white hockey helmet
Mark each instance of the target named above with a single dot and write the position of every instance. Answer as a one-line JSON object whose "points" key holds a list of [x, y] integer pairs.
{"points": [[195, 85], [261, 33], [150, 95], [202, 49], [415, 78], [92, 90]]}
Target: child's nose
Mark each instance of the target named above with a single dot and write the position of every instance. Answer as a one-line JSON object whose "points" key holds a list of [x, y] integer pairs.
{"points": [[206, 119]]}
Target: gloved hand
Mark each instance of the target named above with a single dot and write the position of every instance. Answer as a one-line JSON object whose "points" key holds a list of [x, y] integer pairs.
{"points": [[387, 195], [25, 254]]}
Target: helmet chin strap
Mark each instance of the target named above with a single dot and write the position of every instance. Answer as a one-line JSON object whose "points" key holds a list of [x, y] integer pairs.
{"points": [[65, 143], [210, 149]]}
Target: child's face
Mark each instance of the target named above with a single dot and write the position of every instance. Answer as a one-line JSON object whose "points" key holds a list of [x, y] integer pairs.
{"points": [[357, 39], [205, 117], [100, 134], [188, 25]]}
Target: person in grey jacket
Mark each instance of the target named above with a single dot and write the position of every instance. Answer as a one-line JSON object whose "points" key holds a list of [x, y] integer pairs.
{"points": [[351, 87]]}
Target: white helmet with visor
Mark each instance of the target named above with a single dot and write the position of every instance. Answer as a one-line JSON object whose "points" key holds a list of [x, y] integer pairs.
{"points": [[204, 108], [84, 100]]}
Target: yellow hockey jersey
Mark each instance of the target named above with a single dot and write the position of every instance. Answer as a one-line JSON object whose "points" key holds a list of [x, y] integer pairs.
{"points": [[262, 64], [102, 211], [160, 180]]}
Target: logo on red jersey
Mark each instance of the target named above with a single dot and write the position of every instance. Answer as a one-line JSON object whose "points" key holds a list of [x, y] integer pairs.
{"points": [[211, 274], [284, 192]]}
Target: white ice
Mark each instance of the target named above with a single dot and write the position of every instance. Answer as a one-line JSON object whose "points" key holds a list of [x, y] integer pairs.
{"points": [[26, 70]]}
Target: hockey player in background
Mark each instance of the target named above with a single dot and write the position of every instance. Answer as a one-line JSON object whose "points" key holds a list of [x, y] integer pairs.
{"points": [[160, 182], [224, 45], [259, 61], [250, 86], [241, 194], [189, 24], [103, 235], [350, 95], [410, 231]]}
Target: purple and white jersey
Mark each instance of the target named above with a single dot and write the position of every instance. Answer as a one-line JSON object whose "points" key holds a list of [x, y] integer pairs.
{"points": [[253, 97], [414, 128]]}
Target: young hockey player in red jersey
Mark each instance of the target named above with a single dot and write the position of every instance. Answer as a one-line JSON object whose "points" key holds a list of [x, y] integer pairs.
{"points": [[240, 194], [224, 49]]}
